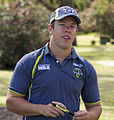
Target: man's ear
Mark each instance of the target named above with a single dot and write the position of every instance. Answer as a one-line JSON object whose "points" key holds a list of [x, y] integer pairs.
{"points": [[50, 28], [77, 29]]}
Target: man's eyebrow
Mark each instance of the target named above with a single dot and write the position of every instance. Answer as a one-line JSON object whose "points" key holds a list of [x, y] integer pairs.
{"points": [[73, 23]]}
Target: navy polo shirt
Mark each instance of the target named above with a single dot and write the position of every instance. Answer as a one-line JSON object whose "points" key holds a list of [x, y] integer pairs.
{"points": [[53, 81]]}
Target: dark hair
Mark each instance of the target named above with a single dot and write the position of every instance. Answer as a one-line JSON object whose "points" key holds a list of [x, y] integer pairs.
{"points": [[52, 24]]}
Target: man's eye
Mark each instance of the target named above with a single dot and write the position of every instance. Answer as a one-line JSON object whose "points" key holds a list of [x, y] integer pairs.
{"points": [[72, 26], [62, 24]]}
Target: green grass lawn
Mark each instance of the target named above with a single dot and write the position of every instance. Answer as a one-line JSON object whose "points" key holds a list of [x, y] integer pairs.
{"points": [[4, 83], [102, 58]]}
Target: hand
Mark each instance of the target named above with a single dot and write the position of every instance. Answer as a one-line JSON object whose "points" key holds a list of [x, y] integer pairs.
{"points": [[50, 110], [81, 115]]}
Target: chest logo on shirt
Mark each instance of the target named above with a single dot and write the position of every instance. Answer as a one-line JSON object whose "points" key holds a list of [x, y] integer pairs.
{"points": [[77, 72], [77, 65], [44, 67]]}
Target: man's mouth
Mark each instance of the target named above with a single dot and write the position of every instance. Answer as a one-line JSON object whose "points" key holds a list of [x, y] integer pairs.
{"points": [[66, 37]]}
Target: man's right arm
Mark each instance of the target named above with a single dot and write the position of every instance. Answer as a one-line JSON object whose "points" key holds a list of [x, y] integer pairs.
{"points": [[17, 104]]}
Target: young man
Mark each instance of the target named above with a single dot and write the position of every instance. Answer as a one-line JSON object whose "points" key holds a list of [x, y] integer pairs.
{"points": [[55, 74]]}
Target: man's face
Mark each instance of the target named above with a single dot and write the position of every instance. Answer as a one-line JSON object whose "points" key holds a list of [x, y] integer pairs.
{"points": [[64, 33]]}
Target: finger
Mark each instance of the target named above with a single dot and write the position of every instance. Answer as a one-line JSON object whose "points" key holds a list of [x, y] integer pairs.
{"points": [[81, 113], [54, 113], [51, 114], [50, 111], [60, 104], [55, 110], [81, 118], [60, 112], [58, 109]]}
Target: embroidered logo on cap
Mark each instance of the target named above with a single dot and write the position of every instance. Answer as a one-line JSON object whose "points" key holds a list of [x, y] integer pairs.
{"points": [[67, 10]]}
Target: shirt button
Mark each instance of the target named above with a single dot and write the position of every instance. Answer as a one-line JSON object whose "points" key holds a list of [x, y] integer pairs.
{"points": [[57, 61]]}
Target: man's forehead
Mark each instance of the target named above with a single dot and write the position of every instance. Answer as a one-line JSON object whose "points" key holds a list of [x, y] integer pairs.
{"points": [[68, 19]]}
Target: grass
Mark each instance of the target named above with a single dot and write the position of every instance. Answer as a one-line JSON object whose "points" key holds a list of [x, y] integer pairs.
{"points": [[4, 83], [85, 40], [102, 58]]}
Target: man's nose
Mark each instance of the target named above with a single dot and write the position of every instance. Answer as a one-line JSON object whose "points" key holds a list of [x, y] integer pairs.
{"points": [[68, 28]]}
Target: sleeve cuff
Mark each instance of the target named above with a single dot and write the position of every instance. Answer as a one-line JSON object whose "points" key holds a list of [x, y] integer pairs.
{"points": [[16, 92], [92, 103]]}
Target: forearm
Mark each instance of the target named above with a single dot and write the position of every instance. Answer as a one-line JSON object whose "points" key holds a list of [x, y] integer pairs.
{"points": [[94, 111], [23, 107], [17, 104]]}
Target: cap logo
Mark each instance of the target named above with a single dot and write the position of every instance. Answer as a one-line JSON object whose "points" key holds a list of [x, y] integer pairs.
{"points": [[68, 10], [56, 15]]}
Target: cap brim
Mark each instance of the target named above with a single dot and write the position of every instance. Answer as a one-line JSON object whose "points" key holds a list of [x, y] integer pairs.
{"points": [[74, 16]]}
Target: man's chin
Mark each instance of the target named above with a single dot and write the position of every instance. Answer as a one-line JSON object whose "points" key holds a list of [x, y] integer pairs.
{"points": [[66, 46]]}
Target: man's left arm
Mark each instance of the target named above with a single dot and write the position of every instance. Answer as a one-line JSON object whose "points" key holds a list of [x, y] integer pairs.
{"points": [[92, 112]]}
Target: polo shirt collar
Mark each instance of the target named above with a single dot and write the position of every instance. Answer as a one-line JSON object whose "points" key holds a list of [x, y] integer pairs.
{"points": [[47, 50], [73, 52]]}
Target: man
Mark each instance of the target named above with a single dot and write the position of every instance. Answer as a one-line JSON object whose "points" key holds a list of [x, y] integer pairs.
{"points": [[55, 74]]}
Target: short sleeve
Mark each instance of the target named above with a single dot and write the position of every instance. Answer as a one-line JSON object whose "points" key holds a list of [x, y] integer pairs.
{"points": [[21, 78], [90, 91]]}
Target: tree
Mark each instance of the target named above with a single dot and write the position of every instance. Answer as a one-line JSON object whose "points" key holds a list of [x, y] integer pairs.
{"points": [[23, 29], [88, 16], [67, 2], [77, 4], [51, 5], [81, 5], [105, 17]]}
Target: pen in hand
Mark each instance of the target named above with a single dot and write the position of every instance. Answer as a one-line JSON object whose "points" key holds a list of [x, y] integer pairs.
{"points": [[65, 110]]}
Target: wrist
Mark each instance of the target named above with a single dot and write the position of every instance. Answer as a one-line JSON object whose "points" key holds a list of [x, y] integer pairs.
{"points": [[40, 109]]}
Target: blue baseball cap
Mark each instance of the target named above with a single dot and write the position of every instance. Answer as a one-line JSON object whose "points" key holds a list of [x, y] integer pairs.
{"points": [[63, 12]]}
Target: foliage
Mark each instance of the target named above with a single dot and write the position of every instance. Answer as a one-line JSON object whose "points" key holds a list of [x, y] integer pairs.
{"points": [[78, 4], [53, 2], [99, 17], [105, 17], [88, 19], [82, 4], [23, 29]]}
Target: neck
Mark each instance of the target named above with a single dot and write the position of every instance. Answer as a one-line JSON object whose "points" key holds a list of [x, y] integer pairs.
{"points": [[59, 53]]}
